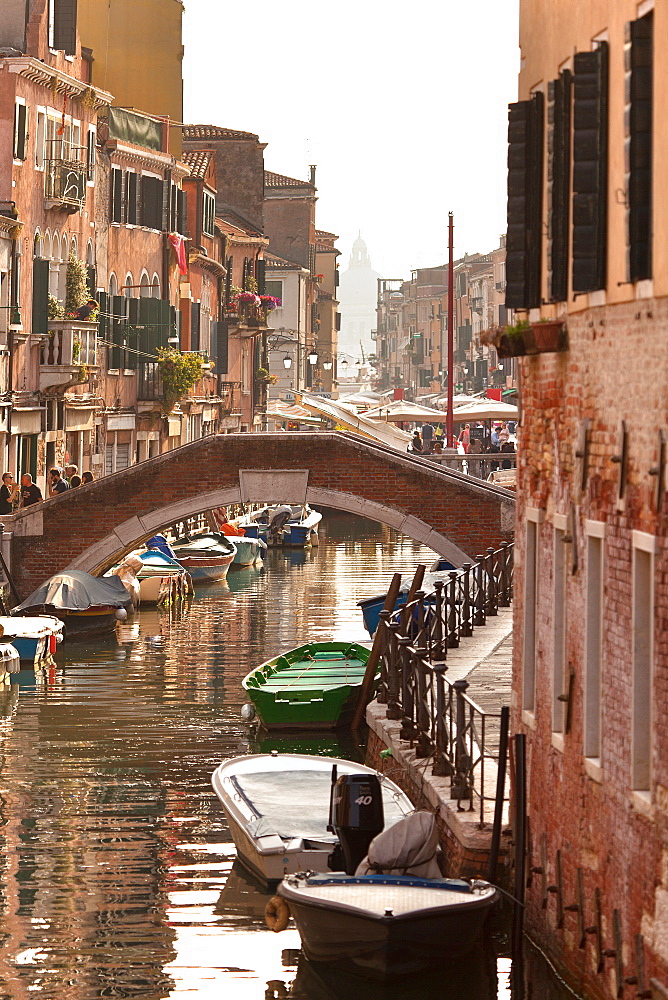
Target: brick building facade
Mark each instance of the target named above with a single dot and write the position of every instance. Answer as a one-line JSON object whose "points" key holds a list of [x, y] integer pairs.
{"points": [[590, 651]]}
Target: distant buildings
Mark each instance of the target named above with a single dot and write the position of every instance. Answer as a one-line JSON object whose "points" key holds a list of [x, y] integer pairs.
{"points": [[167, 226], [358, 292]]}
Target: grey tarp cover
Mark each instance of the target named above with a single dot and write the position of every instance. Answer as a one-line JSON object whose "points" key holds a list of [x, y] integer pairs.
{"points": [[407, 848], [77, 591], [296, 803]]}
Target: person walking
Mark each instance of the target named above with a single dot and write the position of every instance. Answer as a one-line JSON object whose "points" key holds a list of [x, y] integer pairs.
{"points": [[58, 484], [439, 433], [30, 492], [86, 477], [427, 436], [465, 437], [8, 494]]}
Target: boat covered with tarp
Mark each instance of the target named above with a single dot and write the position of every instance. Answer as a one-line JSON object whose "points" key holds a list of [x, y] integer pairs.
{"points": [[87, 605]]}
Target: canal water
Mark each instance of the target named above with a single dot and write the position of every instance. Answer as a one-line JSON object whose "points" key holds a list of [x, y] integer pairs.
{"points": [[117, 872]]}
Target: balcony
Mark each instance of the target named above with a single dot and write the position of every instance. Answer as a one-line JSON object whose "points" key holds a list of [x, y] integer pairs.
{"points": [[65, 179], [69, 354]]}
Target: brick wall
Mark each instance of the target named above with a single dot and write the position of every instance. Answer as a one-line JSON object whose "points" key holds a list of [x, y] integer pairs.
{"points": [[615, 370]]}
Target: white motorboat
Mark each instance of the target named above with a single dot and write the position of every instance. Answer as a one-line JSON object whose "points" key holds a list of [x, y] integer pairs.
{"points": [[278, 807], [390, 913]]}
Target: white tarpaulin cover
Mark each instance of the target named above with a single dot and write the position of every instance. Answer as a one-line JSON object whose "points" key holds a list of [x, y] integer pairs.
{"points": [[407, 848]]}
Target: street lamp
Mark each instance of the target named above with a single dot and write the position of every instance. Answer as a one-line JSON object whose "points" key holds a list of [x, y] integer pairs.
{"points": [[344, 363], [327, 365], [287, 361], [313, 356]]}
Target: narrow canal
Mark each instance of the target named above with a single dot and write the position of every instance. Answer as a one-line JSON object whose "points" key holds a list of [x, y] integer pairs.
{"points": [[117, 873]]}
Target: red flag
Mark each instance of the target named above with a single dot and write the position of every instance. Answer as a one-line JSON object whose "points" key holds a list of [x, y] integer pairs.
{"points": [[179, 244]]}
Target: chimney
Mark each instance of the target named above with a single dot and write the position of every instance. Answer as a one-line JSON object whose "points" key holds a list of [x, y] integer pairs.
{"points": [[312, 174]]}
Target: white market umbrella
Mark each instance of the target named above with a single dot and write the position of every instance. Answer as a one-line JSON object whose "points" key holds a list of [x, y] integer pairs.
{"points": [[486, 409], [401, 410]]}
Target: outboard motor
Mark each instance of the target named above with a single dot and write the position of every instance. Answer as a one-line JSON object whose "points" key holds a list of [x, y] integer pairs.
{"points": [[356, 816], [280, 518]]}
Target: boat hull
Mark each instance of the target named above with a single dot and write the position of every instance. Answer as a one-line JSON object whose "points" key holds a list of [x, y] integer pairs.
{"points": [[248, 551], [207, 569], [383, 945], [315, 686]]}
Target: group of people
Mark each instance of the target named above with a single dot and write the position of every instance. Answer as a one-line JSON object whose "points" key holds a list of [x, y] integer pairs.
{"points": [[15, 497], [430, 440], [474, 440]]}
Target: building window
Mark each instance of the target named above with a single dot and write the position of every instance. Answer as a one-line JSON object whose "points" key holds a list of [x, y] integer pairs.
{"points": [[90, 154], [595, 531], [525, 203], [116, 208], [208, 213], [534, 517], [117, 454], [643, 627], [638, 119], [559, 183], [151, 202], [274, 288], [559, 672], [131, 214], [20, 129]]}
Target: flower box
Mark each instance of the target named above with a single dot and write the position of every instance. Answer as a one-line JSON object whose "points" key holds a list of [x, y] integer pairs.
{"points": [[549, 337], [512, 345]]}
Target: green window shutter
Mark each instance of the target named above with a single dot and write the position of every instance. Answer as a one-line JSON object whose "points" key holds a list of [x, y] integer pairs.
{"points": [[116, 207], [118, 307], [261, 280], [222, 341], [525, 205], [133, 335], [103, 320], [194, 325], [40, 296]]}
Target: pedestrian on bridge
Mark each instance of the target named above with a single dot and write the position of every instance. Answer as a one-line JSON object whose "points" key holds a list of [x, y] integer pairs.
{"points": [[427, 436], [30, 492], [416, 442]]}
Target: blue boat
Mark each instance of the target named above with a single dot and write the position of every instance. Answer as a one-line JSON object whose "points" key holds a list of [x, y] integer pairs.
{"points": [[34, 639], [371, 607]]}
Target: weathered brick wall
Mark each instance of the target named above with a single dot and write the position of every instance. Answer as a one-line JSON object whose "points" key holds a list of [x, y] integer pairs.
{"points": [[473, 514], [615, 369]]}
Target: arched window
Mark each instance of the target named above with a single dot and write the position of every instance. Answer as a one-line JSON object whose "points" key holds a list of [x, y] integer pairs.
{"points": [[156, 286], [144, 286], [128, 289], [64, 249], [90, 254], [54, 270], [62, 271], [74, 248], [113, 284], [37, 248], [55, 247]]}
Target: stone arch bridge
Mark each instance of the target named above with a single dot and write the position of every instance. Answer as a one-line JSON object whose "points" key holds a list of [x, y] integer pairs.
{"points": [[89, 528]]}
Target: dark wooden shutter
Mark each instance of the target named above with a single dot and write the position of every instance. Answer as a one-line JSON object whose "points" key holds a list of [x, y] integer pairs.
{"points": [[40, 296], [182, 220], [20, 131], [194, 326], [91, 279], [222, 341], [638, 118], [559, 181], [590, 169], [213, 342], [229, 263], [151, 202], [525, 203], [103, 318], [131, 198], [116, 209], [133, 335], [261, 266], [65, 26]]}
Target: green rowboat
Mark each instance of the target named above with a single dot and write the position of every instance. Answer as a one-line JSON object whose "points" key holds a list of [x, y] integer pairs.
{"points": [[315, 686]]}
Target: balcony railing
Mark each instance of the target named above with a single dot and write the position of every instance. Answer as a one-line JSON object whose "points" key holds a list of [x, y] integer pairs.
{"points": [[438, 717], [65, 182], [69, 351]]}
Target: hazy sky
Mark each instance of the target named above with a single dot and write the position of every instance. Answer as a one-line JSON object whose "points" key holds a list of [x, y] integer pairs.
{"points": [[402, 106]]}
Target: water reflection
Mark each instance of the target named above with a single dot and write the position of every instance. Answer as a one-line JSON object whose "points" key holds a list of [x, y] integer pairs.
{"points": [[117, 874]]}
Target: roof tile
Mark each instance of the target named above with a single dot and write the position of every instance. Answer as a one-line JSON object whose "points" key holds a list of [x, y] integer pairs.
{"points": [[191, 132]]}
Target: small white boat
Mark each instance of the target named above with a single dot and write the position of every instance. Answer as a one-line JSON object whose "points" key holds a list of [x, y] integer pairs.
{"points": [[161, 579], [294, 526], [278, 805], [249, 550]]}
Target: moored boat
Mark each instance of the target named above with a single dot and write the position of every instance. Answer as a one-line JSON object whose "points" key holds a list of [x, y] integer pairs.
{"points": [[314, 686], [390, 913], [207, 556], [161, 578], [294, 526], [87, 605], [278, 805], [35, 639]]}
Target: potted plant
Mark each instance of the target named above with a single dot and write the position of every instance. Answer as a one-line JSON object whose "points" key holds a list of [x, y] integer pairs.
{"points": [[178, 374], [263, 377], [513, 341], [549, 336]]}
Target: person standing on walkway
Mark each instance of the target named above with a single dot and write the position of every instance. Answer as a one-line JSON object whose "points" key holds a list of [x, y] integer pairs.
{"points": [[465, 437], [30, 493], [58, 484], [427, 436], [416, 442], [8, 494]]}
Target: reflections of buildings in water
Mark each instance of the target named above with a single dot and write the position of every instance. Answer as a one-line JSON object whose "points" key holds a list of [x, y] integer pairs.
{"points": [[118, 876]]}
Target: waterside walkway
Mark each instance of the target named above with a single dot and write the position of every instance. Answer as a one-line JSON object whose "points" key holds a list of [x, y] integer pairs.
{"points": [[484, 660]]}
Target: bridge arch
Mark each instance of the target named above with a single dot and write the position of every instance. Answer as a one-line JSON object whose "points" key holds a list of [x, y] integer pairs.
{"points": [[91, 527]]}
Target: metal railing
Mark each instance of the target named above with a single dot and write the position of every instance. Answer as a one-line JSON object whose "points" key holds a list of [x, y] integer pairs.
{"points": [[437, 717]]}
